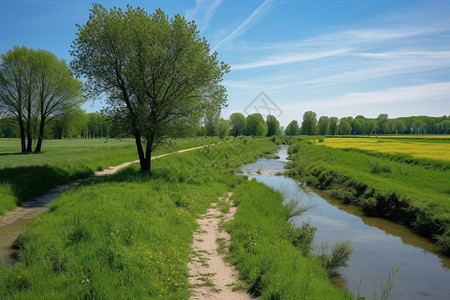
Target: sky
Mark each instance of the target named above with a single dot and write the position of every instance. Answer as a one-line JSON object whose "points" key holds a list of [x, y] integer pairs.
{"points": [[334, 57]]}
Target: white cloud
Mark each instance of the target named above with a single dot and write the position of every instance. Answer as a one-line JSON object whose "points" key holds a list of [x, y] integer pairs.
{"points": [[203, 12], [422, 92], [264, 8], [287, 58]]}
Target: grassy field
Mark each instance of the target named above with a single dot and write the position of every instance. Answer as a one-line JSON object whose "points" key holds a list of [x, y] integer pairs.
{"points": [[436, 149], [25, 176], [412, 191], [128, 235]]}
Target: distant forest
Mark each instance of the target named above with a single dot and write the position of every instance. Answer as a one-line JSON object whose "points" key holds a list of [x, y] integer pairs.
{"points": [[94, 125]]}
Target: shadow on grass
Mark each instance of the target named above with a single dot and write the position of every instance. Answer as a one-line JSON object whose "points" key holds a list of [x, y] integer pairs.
{"points": [[133, 174], [32, 181]]}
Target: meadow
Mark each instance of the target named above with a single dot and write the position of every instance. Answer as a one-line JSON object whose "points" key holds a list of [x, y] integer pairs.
{"points": [[25, 176], [128, 235], [407, 187], [429, 148]]}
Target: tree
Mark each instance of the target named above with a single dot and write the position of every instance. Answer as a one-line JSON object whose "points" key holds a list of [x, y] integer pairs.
{"points": [[381, 121], [357, 126], [35, 88], [255, 125], [419, 127], [210, 120], [369, 126], [344, 127], [222, 128], [12, 78], [272, 125], [333, 124], [309, 122], [292, 128], [323, 125], [158, 72], [57, 91], [237, 124]]}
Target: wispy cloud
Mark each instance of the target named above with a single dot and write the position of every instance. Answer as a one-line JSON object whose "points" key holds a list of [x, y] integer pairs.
{"points": [[203, 12], [287, 58], [422, 92], [263, 9]]}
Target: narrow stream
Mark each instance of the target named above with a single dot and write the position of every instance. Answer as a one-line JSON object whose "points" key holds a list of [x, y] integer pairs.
{"points": [[379, 245]]}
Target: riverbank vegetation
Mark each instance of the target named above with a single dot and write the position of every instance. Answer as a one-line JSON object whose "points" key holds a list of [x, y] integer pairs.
{"points": [[274, 257], [25, 176], [400, 187]]}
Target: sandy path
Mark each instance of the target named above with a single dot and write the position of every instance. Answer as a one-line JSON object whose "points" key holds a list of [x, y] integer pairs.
{"points": [[14, 222], [210, 276]]}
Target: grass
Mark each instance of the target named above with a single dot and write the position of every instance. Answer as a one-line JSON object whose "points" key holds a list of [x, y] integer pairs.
{"points": [[127, 235], [408, 190], [25, 176], [263, 250]]}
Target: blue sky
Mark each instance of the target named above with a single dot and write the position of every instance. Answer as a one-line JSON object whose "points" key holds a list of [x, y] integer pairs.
{"points": [[337, 58]]}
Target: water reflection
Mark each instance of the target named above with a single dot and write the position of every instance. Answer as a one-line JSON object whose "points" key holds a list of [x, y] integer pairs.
{"points": [[380, 245]]}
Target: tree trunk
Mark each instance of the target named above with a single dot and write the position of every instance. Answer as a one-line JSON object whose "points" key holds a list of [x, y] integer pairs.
{"points": [[140, 150], [41, 136], [22, 134], [148, 157]]}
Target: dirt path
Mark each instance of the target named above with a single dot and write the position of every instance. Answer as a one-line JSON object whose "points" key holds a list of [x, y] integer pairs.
{"points": [[14, 222], [210, 276]]}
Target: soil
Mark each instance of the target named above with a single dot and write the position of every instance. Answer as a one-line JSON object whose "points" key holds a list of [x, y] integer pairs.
{"points": [[209, 275]]}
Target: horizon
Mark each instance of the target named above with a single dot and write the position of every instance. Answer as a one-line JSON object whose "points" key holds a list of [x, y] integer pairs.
{"points": [[336, 59]]}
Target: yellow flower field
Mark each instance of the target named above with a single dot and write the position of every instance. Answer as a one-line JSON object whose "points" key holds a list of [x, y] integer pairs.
{"points": [[417, 149]]}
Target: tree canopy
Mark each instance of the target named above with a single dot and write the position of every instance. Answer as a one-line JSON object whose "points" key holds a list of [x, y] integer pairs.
{"points": [[157, 72], [237, 124], [35, 88], [292, 128], [272, 125], [255, 125], [309, 122]]}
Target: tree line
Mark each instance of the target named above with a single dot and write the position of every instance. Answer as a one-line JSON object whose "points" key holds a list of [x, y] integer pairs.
{"points": [[360, 125]]}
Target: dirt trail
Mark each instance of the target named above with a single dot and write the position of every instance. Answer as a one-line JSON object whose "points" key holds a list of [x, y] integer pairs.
{"points": [[14, 222], [210, 276]]}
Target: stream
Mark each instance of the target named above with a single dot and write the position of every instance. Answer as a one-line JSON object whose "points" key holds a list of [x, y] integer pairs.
{"points": [[379, 245]]}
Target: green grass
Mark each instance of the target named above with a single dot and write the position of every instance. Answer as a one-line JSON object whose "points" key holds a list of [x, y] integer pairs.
{"points": [[414, 192], [127, 235], [25, 176], [262, 248]]}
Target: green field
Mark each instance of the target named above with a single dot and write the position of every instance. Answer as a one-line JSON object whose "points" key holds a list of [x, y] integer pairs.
{"points": [[25, 176], [410, 190], [128, 235]]}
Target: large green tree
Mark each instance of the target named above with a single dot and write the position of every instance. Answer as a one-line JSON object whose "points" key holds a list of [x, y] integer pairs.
{"points": [[333, 125], [323, 125], [255, 125], [272, 125], [157, 71], [35, 88], [309, 122], [237, 124], [222, 128], [292, 128]]}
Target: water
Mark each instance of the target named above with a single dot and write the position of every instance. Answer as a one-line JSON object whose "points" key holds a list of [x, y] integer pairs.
{"points": [[380, 245]]}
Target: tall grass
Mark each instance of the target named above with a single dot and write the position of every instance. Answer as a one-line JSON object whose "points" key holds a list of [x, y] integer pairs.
{"points": [[268, 250]]}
